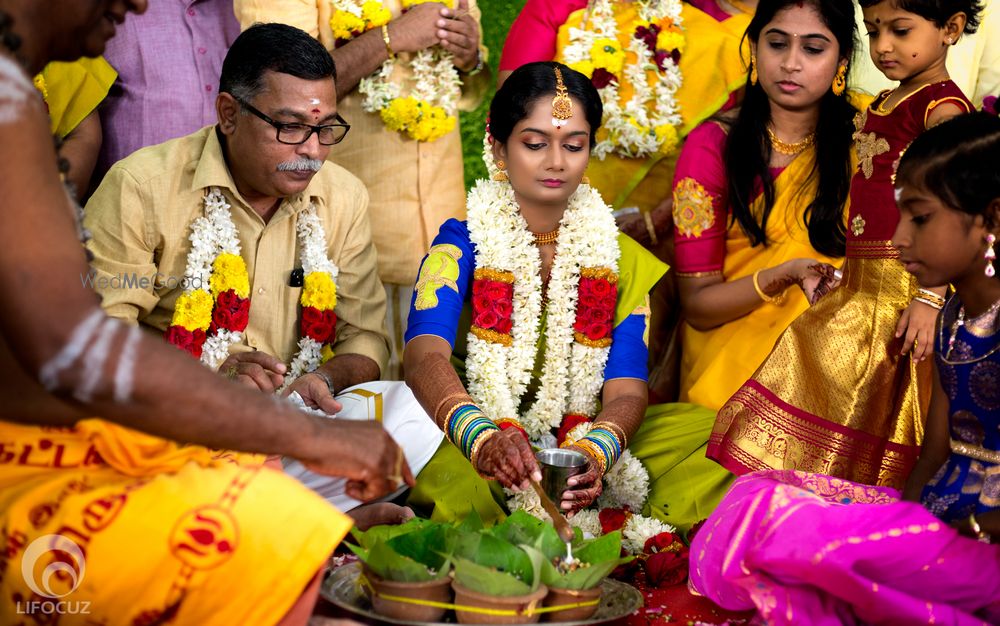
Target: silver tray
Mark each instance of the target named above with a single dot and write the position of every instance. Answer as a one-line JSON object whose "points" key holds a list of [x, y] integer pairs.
{"points": [[342, 589]]}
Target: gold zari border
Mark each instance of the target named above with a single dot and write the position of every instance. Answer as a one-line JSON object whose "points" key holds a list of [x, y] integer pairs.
{"points": [[492, 336], [590, 343], [872, 249], [488, 273]]}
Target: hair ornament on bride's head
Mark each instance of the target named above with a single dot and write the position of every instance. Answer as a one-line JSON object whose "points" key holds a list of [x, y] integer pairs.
{"points": [[562, 106], [991, 106]]}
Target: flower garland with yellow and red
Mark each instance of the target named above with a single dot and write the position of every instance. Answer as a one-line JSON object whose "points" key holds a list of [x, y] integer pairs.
{"points": [[643, 56], [430, 109], [214, 309]]}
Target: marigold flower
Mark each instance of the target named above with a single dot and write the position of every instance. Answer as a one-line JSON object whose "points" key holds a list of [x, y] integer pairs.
{"points": [[670, 40], [229, 272], [319, 291], [607, 54], [193, 310]]}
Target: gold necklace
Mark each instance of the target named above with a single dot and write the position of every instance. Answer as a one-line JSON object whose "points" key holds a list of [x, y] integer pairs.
{"points": [[791, 149], [542, 239]]}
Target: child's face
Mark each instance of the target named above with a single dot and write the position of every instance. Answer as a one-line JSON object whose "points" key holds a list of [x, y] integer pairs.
{"points": [[904, 44], [936, 243], [797, 57]]}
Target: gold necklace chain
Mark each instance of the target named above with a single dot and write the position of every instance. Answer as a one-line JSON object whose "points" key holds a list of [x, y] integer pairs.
{"points": [[542, 239], [791, 149]]}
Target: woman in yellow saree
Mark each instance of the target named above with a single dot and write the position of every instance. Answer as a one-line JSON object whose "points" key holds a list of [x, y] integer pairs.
{"points": [[759, 198]]}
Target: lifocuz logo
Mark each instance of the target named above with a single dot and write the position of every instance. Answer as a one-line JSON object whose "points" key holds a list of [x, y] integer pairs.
{"points": [[53, 567]]}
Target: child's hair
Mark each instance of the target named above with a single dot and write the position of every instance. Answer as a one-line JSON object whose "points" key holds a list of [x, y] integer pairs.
{"points": [[958, 161], [938, 11], [748, 149]]}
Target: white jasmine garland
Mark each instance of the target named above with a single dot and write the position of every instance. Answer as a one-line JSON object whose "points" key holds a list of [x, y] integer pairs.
{"points": [[499, 375], [631, 125], [588, 521], [626, 484], [215, 233], [638, 529]]}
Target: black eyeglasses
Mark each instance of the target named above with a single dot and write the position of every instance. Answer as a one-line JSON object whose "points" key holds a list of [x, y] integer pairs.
{"points": [[295, 133]]}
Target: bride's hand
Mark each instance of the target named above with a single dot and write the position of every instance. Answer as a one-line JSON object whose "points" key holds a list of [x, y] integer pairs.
{"points": [[507, 458], [583, 488]]}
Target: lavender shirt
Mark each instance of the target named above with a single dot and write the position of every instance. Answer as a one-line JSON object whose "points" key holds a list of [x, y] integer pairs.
{"points": [[169, 60]]}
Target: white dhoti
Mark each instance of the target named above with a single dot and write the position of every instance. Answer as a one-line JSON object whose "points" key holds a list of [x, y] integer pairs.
{"points": [[391, 403]]}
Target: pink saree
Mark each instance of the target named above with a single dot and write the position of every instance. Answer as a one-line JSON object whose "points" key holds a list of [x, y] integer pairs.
{"points": [[812, 549]]}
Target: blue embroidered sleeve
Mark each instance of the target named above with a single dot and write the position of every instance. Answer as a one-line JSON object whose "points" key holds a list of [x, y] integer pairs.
{"points": [[442, 284], [629, 353]]}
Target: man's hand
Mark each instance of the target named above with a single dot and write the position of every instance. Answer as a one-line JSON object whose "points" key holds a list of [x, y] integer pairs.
{"points": [[257, 370], [360, 451], [417, 28], [459, 35], [315, 393]]}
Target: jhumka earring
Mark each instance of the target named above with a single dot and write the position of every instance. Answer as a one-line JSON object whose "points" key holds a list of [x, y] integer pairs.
{"points": [[990, 255], [501, 175], [585, 180], [562, 106], [840, 81], [753, 69]]}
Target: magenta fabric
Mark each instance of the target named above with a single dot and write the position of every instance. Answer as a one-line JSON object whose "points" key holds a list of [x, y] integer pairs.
{"points": [[811, 549], [169, 60], [532, 36]]}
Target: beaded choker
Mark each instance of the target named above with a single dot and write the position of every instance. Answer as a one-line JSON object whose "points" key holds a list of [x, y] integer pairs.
{"points": [[542, 239]]}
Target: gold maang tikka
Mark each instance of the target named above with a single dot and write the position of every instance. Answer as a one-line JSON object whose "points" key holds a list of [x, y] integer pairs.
{"points": [[562, 106]]}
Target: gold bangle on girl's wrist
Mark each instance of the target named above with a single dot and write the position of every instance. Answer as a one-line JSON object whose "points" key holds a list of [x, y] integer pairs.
{"points": [[775, 300], [929, 298]]}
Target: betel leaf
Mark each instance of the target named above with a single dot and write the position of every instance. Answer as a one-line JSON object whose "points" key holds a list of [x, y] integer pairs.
{"points": [[487, 550], [391, 565], [472, 522], [430, 545], [488, 580], [385, 532], [521, 528], [602, 555]]}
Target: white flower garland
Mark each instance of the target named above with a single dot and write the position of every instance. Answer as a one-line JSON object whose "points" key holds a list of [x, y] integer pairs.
{"points": [[435, 81], [632, 125], [214, 233], [499, 375]]}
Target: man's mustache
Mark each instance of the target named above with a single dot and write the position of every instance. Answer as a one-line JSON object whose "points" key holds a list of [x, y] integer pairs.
{"points": [[310, 165]]}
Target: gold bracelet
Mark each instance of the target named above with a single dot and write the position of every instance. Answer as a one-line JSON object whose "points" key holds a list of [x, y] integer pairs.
{"points": [[933, 305], [477, 446], [594, 452], [615, 430], [929, 297], [775, 300], [388, 43], [647, 217], [449, 398]]}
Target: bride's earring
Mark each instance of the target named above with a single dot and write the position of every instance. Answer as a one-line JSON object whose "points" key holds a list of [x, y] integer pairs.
{"points": [[990, 255], [501, 175]]}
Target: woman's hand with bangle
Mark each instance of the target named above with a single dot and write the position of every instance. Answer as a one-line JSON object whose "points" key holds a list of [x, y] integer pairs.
{"points": [[816, 279], [507, 457], [583, 488]]}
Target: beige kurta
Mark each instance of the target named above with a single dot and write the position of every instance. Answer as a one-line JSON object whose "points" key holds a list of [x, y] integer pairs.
{"points": [[141, 218], [414, 186]]}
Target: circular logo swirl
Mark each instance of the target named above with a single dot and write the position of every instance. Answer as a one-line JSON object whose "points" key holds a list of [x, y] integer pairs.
{"points": [[67, 565]]}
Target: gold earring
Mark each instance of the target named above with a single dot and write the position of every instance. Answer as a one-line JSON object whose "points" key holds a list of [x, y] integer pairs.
{"points": [[753, 69], [585, 180], [840, 81], [501, 175], [990, 256]]}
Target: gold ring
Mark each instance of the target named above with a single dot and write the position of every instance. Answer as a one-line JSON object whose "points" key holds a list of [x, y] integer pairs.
{"points": [[232, 372]]}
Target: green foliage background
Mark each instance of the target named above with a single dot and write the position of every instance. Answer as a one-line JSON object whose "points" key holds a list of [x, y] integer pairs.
{"points": [[496, 21]]}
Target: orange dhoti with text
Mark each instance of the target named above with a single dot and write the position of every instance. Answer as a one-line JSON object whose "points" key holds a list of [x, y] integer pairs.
{"points": [[101, 524]]}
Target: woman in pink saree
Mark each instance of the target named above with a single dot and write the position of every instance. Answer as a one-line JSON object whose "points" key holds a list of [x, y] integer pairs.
{"points": [[812, 549]]}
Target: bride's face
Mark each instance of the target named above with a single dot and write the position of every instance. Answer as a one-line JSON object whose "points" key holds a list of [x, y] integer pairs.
{"points": [[545, 164]]}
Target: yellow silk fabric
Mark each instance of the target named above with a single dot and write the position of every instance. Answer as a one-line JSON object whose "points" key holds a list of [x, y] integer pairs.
{"points": [[839, 400], [716, 362], [708, 44], [212, 536], [74, 91]]}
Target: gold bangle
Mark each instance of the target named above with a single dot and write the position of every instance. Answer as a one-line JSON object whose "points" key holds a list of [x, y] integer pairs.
{"points": [[463, 397], [477, 446], [615, 430], [594, 452], [981, 536], [388, 43], [775, 300], [647, 217], [933, 305], [929, 297], [447, 418]]}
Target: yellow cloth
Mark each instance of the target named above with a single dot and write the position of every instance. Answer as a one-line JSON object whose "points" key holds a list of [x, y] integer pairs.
{"points": [[834, 396], [644, 183], [414, 187], [162, 528], [716, 362], [74, 90], [141, 218]]}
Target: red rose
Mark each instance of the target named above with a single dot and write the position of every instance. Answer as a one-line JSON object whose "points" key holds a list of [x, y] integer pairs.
{"points": [[318, 325], [602, 78], [612, 519], [231, 312], [486, 319], [503, 307], [663, 542], [589, 301], [504, 325], [480, 302], [190, 342], [598, 331], [664, 569], [600, 287], [608, 305], [569, 422], [496, 290], [648, 35], [694, 530]]}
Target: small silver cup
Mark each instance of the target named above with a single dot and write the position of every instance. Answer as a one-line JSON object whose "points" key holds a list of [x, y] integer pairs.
{"points": [[557, 465]]}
